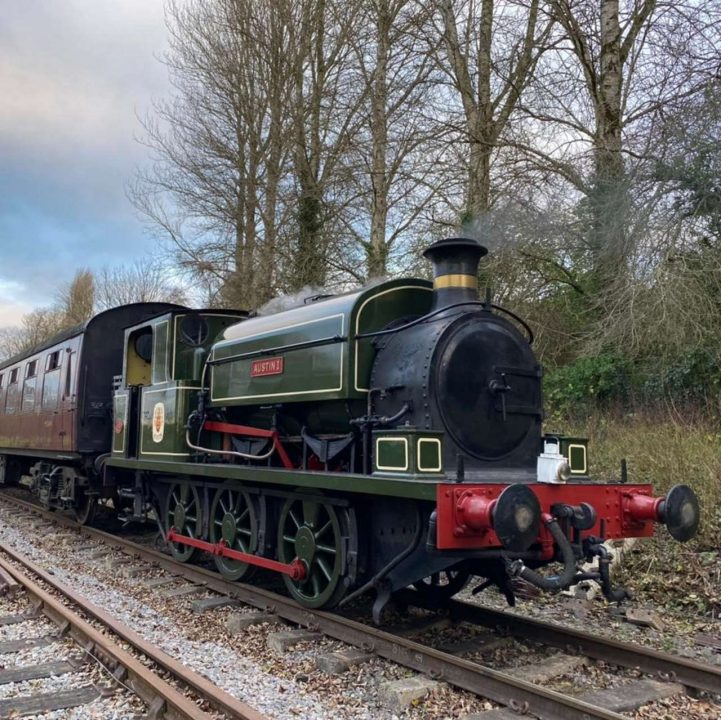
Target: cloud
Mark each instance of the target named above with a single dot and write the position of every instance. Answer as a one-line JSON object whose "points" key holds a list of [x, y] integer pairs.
{"points": [[72, 73], [73, 77], [11, 307]]}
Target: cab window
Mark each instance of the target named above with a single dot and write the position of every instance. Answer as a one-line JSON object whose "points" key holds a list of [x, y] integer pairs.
{"points": [[139, 357]]}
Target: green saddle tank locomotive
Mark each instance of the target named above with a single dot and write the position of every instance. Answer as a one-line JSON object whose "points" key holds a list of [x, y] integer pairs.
{"points": [[365, 442]]}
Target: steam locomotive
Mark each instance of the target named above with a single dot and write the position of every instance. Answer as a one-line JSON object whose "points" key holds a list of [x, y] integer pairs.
{"points": [[369, 441]]}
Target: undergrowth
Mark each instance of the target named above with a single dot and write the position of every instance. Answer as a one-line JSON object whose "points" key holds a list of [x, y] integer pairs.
{"points": [[665, 449]]}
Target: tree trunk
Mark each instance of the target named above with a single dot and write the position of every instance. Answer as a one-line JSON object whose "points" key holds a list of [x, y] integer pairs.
{"points": [[481, 124], [478, 195], [378, 250], [273, 175], [609, 201], [486, 116], [310, 252]]}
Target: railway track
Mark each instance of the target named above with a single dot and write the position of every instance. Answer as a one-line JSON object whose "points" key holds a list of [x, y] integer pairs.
{"points": [[516, 693], [94, 639]]}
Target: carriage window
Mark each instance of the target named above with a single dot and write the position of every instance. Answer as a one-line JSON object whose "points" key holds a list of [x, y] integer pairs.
{"points": [[53, 361], [51, 381], [31, 379], [12, 394], [1, 380], [68, 376]]}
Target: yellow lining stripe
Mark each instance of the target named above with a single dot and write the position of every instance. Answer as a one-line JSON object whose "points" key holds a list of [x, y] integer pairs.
{"points": [[394, 468], [573, 446], [455, 280], [437, 444]]}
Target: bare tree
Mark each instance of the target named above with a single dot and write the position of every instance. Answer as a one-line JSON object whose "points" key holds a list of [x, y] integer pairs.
{"points": [[596, 108], [392, 162], [76, 300], [490, 53], [88, 294], [36, 327], [143, 281], [247, 153], [221, 145], [325, 115], [11, 342]]}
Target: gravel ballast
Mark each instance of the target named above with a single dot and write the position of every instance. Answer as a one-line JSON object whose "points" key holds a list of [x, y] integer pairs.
{"points": [[289, 686]]}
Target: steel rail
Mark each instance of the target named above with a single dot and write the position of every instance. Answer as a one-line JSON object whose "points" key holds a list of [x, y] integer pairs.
{"points": [[146, 684], [690, 673], [520, 695]]}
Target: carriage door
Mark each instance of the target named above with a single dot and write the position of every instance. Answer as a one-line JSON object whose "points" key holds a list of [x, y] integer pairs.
{"points": [[68, 400], [126, 401], [131, 443]]}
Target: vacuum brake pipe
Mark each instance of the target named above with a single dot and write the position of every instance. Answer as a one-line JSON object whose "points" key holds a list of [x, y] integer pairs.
{"points": [[559, 582]]}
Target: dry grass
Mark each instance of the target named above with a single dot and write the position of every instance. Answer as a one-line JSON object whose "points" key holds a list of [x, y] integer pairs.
{"points": [[665, 451]]}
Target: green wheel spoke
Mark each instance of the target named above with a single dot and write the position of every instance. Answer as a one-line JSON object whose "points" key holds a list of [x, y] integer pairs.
{"points": [[324, 569], [294, 519], [182, 508], [233, 512], [325, 528]]}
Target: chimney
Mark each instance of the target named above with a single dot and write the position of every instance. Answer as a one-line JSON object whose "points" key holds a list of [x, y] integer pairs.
{"points": [[455, 270]]}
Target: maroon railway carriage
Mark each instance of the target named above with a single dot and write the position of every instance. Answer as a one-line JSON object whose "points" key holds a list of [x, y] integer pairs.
{"points": [[56, 405]]}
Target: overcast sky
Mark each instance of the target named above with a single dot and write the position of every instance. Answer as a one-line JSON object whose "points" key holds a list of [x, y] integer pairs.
{"points": [[74, 75]]}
